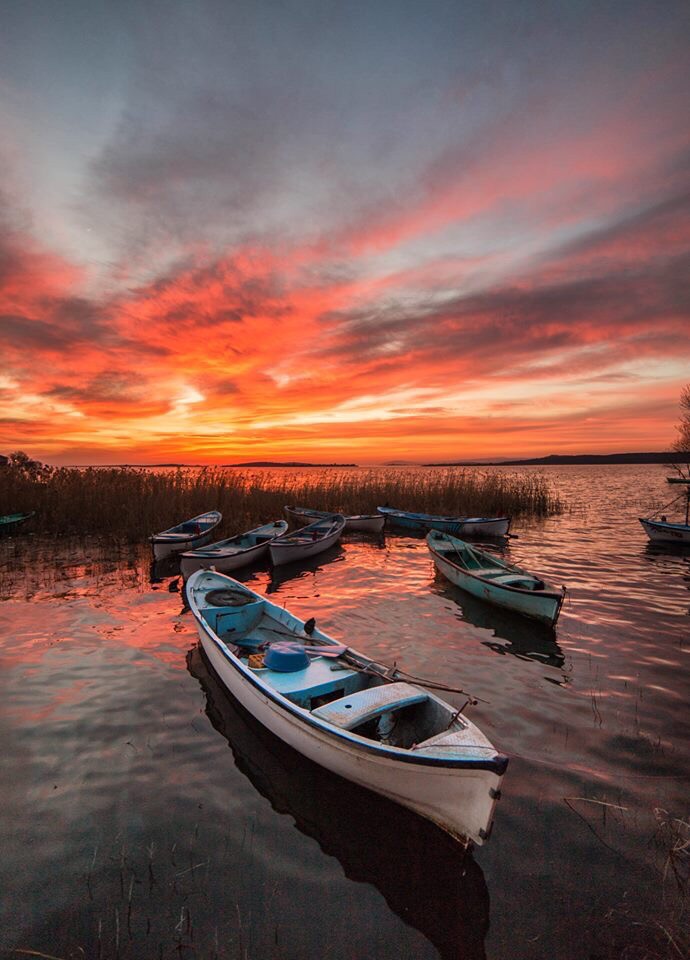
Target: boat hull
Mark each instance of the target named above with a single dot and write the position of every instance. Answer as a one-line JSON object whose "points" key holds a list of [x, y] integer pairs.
{"points": [[224, 563], [368, 524], [462, 802], [476, 527], [543, 607], [666, 532]]}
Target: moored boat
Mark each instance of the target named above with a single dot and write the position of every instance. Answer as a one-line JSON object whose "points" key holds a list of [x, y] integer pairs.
{"points": [[678, 480], [362, 522], [10, 521], [235, 552], [307, 541], [492, 579], [346, 712], [457, 526], [664, 532], [187, 535]]}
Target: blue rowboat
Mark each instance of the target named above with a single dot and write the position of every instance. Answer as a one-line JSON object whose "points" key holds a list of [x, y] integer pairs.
{"points": [[456, 526], [491, 579], [187, 535], [348, 713]]}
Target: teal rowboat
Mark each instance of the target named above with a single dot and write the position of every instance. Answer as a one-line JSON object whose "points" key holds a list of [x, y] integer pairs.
{"points": [[489, 578], [12, 520]]}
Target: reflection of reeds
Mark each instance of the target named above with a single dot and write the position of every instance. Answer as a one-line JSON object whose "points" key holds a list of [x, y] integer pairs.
{"points": [[129, 502]]}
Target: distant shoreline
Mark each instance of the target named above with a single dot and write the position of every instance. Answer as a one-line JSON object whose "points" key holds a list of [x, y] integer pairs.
{"points": [[563, 460]]}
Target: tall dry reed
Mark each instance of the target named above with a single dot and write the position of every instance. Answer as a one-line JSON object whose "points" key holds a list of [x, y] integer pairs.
{"points": [[135, 502]]}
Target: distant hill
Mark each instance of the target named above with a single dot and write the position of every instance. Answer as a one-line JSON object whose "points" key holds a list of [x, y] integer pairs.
{"points": [[291, 463], [578, 458]]}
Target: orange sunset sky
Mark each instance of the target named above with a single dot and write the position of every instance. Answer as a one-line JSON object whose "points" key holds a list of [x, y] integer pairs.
{"points": [[342, 232]]}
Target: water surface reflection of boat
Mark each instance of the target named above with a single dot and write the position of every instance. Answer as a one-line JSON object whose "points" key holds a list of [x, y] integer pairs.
{"points": [[308, 567], [525, 639], [429, 880]]}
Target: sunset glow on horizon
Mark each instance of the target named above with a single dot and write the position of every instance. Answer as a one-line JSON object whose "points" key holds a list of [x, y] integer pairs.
{"points": [[350, 233]]}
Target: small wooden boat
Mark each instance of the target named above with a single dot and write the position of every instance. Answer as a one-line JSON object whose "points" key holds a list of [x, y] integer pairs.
{"points": [[457, 526], [234, 552], [353, 716], [363, 522], [307, 541], [187, 535], [494, 580], [664, 532], [11, 521]]}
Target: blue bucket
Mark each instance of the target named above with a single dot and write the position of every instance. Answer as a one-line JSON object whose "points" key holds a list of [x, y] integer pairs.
{"points": [[286, 656]]}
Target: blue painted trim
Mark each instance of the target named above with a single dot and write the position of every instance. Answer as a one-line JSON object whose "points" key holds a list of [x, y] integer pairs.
{"points": [[496, 765]]}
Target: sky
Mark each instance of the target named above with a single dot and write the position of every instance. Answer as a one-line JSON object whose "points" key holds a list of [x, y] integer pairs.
{"points": [[342, 231]]}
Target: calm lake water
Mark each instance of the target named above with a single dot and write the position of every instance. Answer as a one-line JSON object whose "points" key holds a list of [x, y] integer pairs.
{"points": [[146, 815]]}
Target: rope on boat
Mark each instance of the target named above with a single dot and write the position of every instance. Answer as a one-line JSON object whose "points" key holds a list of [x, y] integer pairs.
{"points": [[681, 496]]}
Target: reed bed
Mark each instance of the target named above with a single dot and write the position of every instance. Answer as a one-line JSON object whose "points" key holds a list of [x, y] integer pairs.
{"points": [[131, 502]]}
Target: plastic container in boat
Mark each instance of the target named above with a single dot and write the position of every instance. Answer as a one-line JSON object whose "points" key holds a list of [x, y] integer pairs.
{"points": [[286, 656]]}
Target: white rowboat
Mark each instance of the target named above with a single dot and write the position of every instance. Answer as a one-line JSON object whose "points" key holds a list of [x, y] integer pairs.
{"points": [[235, 552], [457, 526], [664, 532], [307, 541], [363, 522], [187, 535], [492, 579], [346, 712]]}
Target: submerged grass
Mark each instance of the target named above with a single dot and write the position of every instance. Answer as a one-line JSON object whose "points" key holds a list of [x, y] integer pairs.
{"points": [[134, 502]]}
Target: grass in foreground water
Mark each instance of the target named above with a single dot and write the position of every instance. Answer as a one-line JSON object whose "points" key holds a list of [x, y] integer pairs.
{"points": [[133, 502]]}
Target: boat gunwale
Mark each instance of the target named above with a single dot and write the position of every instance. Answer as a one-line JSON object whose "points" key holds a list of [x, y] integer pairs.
{"points": [[497, 765]]}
